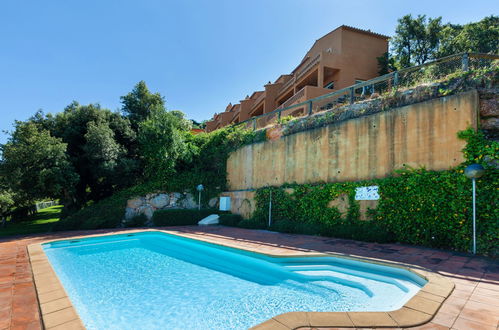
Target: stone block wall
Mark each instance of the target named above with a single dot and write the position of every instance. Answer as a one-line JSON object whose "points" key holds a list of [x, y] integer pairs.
{"points": [[489, 112], [149, 203]]}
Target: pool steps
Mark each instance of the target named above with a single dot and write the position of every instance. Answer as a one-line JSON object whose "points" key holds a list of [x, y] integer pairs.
{"points": [[342, 272]]}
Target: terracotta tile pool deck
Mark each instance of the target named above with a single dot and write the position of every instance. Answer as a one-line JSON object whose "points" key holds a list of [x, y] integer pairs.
{"points": [[474, 303]]}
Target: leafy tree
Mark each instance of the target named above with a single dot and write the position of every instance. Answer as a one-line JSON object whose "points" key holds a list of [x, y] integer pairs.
{"points": [[386, 64], [198, 125], [416, 39], [101, 146], [35, 164], [162, 141], [206, 158], [140, 102], [6, 204], [481, 37], [103, 153], [86, 152]]}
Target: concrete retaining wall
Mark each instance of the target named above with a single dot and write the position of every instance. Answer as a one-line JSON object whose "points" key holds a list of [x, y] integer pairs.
{"points": [[422, 134]]}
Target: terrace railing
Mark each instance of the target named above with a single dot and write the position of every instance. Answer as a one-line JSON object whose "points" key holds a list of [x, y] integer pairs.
{"points": [[259, 99], [313, 62], [401, 79], [286, 86], [293, 98]]}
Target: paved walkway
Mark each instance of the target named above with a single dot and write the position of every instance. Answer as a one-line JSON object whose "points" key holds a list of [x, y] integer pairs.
{"points": [[474, 304]]}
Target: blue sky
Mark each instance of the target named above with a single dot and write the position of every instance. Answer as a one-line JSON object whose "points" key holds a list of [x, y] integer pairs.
{"points": [[200, 55]]}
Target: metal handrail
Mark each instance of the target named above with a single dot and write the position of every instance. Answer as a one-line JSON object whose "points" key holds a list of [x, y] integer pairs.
{"points": [[387, 77]]}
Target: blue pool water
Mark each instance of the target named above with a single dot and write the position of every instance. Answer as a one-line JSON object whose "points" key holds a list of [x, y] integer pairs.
{"points": [[155, 280]]}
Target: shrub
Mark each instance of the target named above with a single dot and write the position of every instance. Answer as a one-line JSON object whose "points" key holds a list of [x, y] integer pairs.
{"points": [[286, 119], [230, 219], [252, 224], [105, 214], [429, 208], [180, 217], [368, 231], [206, 160], [308, 228], [23, 213], [137, 221], [283, 226]]}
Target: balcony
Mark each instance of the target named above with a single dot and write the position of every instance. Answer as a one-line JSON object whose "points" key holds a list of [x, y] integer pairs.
{"points": [[297, 98], [257, 108], [235, 117], [286, 86], [304, 94], [312, 63], [259, 99], [307, 66]]}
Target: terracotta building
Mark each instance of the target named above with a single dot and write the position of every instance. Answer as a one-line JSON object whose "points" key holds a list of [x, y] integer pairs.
{"points": [[339, 59]]}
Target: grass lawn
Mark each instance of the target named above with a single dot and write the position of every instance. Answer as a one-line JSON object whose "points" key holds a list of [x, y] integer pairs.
{"points": [[39, 223]]}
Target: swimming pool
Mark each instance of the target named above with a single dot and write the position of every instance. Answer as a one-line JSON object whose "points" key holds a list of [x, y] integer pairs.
{"points": [[154, 280]]}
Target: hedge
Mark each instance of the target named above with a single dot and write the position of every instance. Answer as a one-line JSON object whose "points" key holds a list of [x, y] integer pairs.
{"points": [[230, 219], [180, 217], [139, 220]]}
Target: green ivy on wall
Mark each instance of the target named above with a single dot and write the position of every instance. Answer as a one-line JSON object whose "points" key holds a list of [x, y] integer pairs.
{"points": [[416, 206]]}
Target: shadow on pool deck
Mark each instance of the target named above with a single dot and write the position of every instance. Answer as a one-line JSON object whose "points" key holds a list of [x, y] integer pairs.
{"points": [[474, 304]]}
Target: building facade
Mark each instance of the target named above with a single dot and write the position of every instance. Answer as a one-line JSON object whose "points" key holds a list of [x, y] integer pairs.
{"points": [[339, 59]]}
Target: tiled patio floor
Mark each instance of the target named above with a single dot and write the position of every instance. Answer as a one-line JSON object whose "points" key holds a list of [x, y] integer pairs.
{"points": [[474, 304]]}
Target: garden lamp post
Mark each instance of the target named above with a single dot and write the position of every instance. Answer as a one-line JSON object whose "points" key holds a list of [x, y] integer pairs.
{"points": [[199, 188], [270, 208], [473, 172]]}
